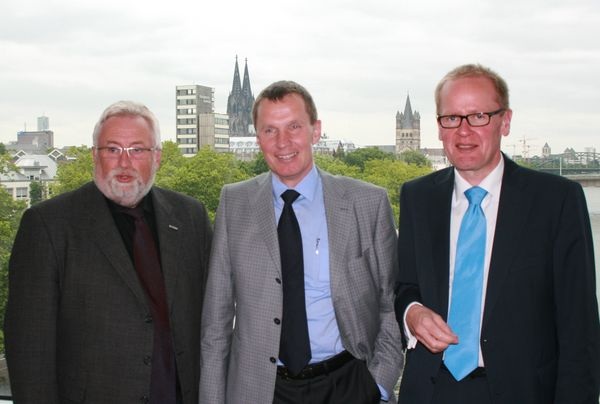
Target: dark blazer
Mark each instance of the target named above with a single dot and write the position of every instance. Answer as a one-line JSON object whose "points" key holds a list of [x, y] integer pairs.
{"points": [[78, 328], [540, 334]]}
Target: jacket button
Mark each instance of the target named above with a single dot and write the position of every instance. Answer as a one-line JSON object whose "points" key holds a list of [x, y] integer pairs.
{"points": [[277, 321], [273, 360], [147, 360], [144, 399], [148, 318]]}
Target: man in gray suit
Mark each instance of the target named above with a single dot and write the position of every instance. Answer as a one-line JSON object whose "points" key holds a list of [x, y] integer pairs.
{"points": [[106, 282], [348, 254]]}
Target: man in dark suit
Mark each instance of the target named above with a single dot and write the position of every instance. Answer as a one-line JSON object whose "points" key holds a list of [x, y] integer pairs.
{"points": [[528, 247], [345, 278], [106, 282]]}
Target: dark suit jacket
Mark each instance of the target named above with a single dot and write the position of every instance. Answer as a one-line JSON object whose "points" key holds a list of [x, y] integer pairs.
{"points": [[540, 335], [78, 328]]}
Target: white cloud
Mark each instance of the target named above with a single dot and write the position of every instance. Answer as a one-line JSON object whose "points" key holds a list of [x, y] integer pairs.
{"points": [[69, 59]]}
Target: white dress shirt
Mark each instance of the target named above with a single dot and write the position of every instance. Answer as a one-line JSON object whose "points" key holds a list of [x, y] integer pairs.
{"points": [[492, 184]]}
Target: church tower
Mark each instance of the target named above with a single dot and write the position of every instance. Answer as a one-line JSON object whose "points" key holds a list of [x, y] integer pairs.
{"points": [[408, 129], [239, 104]]}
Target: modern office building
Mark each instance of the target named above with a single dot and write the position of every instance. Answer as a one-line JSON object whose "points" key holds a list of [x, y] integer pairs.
{"points": [[43, 123], [197, 124], [408, 129]]}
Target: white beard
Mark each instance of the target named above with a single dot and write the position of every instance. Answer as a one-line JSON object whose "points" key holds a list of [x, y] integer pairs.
{"points": [[124, 194]]}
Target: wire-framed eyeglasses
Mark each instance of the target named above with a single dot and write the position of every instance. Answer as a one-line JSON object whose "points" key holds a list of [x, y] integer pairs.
{"points": [[115, 152]]}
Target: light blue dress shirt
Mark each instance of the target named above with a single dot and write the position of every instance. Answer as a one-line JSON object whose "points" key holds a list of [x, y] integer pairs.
{"points": [[309, 208], [324, 335]]}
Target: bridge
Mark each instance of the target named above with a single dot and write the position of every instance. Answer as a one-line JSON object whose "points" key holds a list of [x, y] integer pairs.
{"points": [[582, 167]]}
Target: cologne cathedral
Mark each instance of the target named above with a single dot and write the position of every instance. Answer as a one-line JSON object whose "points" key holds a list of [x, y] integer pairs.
{"points": [[239, 104]]}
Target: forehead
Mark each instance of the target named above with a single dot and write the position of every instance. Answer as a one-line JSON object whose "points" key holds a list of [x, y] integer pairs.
{"points": [[289, 104], [126, 128], [476, 86]]}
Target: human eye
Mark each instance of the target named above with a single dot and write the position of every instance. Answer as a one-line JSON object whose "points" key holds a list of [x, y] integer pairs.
{"points": [[136, 151], [295, 126], [450, 119], [113, 150], [479, 117]]}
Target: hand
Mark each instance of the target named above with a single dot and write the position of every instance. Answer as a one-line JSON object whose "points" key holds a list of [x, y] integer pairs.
{"points": [[429, 328]]}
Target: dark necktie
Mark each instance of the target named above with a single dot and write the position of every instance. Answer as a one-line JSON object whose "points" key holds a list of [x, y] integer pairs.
{"points": [[147, 266], [294, 349], [467, 287]]}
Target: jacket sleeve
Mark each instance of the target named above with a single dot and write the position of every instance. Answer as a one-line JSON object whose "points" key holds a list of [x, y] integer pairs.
{"points": [[31, 314], [217, 314]]}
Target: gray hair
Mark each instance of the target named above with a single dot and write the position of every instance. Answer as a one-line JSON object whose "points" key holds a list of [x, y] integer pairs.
{"points": [[121, 108]]}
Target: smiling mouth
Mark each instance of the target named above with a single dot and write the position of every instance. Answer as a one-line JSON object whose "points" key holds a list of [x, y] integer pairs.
{"points": [[287, 156], [466, 146]]}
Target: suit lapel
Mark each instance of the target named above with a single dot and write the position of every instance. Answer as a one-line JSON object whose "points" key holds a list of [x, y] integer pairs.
{"points": [[103, 232], [514, 206], [438, 225], [338, 212], [169, 229], [261, 204]]}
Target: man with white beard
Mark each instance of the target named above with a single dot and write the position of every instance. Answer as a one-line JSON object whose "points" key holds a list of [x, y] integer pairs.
{"points": [[106, 282]]}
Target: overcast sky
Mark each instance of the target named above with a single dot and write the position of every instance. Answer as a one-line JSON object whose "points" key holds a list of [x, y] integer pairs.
{"points": [[69, 59]]}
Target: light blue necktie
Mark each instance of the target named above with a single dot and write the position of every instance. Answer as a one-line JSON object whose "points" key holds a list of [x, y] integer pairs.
{"points": [[465, 305]]}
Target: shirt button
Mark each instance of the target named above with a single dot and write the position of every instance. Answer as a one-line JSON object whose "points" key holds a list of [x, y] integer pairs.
{"points": [[277, 321], [147, 360], [278, 280]]}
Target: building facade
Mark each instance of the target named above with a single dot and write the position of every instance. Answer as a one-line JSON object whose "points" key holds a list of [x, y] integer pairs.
{"points": [[239, 104], [197, 125], [408, 129]]}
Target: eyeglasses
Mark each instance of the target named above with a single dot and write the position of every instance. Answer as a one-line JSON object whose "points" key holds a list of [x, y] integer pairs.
{"points": [[115, 152], [476, 119]]}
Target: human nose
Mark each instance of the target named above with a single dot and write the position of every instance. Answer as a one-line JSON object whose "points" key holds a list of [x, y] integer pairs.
{"points": [[124, 159], [282, 139], [464, 129]]}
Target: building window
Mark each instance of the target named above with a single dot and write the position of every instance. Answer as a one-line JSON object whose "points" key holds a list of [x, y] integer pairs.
{"points": [[22, 193]]}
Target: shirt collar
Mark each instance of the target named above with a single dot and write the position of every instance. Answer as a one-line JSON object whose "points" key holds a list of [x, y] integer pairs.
{"points": [[307, 187], [492, 183]]}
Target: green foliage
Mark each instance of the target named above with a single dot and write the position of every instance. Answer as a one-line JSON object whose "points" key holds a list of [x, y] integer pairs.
{"points": [[391, 174], [360, 156], [414, 157], [10, 215], [256, 166], [36, 192], [201, 176], [75, 172]]}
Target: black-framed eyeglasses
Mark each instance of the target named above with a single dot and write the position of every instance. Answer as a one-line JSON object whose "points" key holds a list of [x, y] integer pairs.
{"points": [[475, 119], [115, 152]]}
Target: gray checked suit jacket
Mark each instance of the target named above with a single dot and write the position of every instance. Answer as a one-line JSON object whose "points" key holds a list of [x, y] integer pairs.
{"points": [[240, 339], [78, 327]]}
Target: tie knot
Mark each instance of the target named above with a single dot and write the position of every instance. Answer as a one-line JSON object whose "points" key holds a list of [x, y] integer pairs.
{"points": [[290, 196], [136, 213], [475, 195]]}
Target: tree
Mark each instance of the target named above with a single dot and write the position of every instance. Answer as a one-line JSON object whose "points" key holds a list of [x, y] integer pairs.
{"points": [[391, 174], [414, 157], [360, 156], [10, 215], [202, 176], [36, 192], [75, 172]]}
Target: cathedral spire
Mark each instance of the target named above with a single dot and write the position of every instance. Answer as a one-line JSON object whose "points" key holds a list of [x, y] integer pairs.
{"points": [[246, 90], [236, 88], [239, 104]]}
